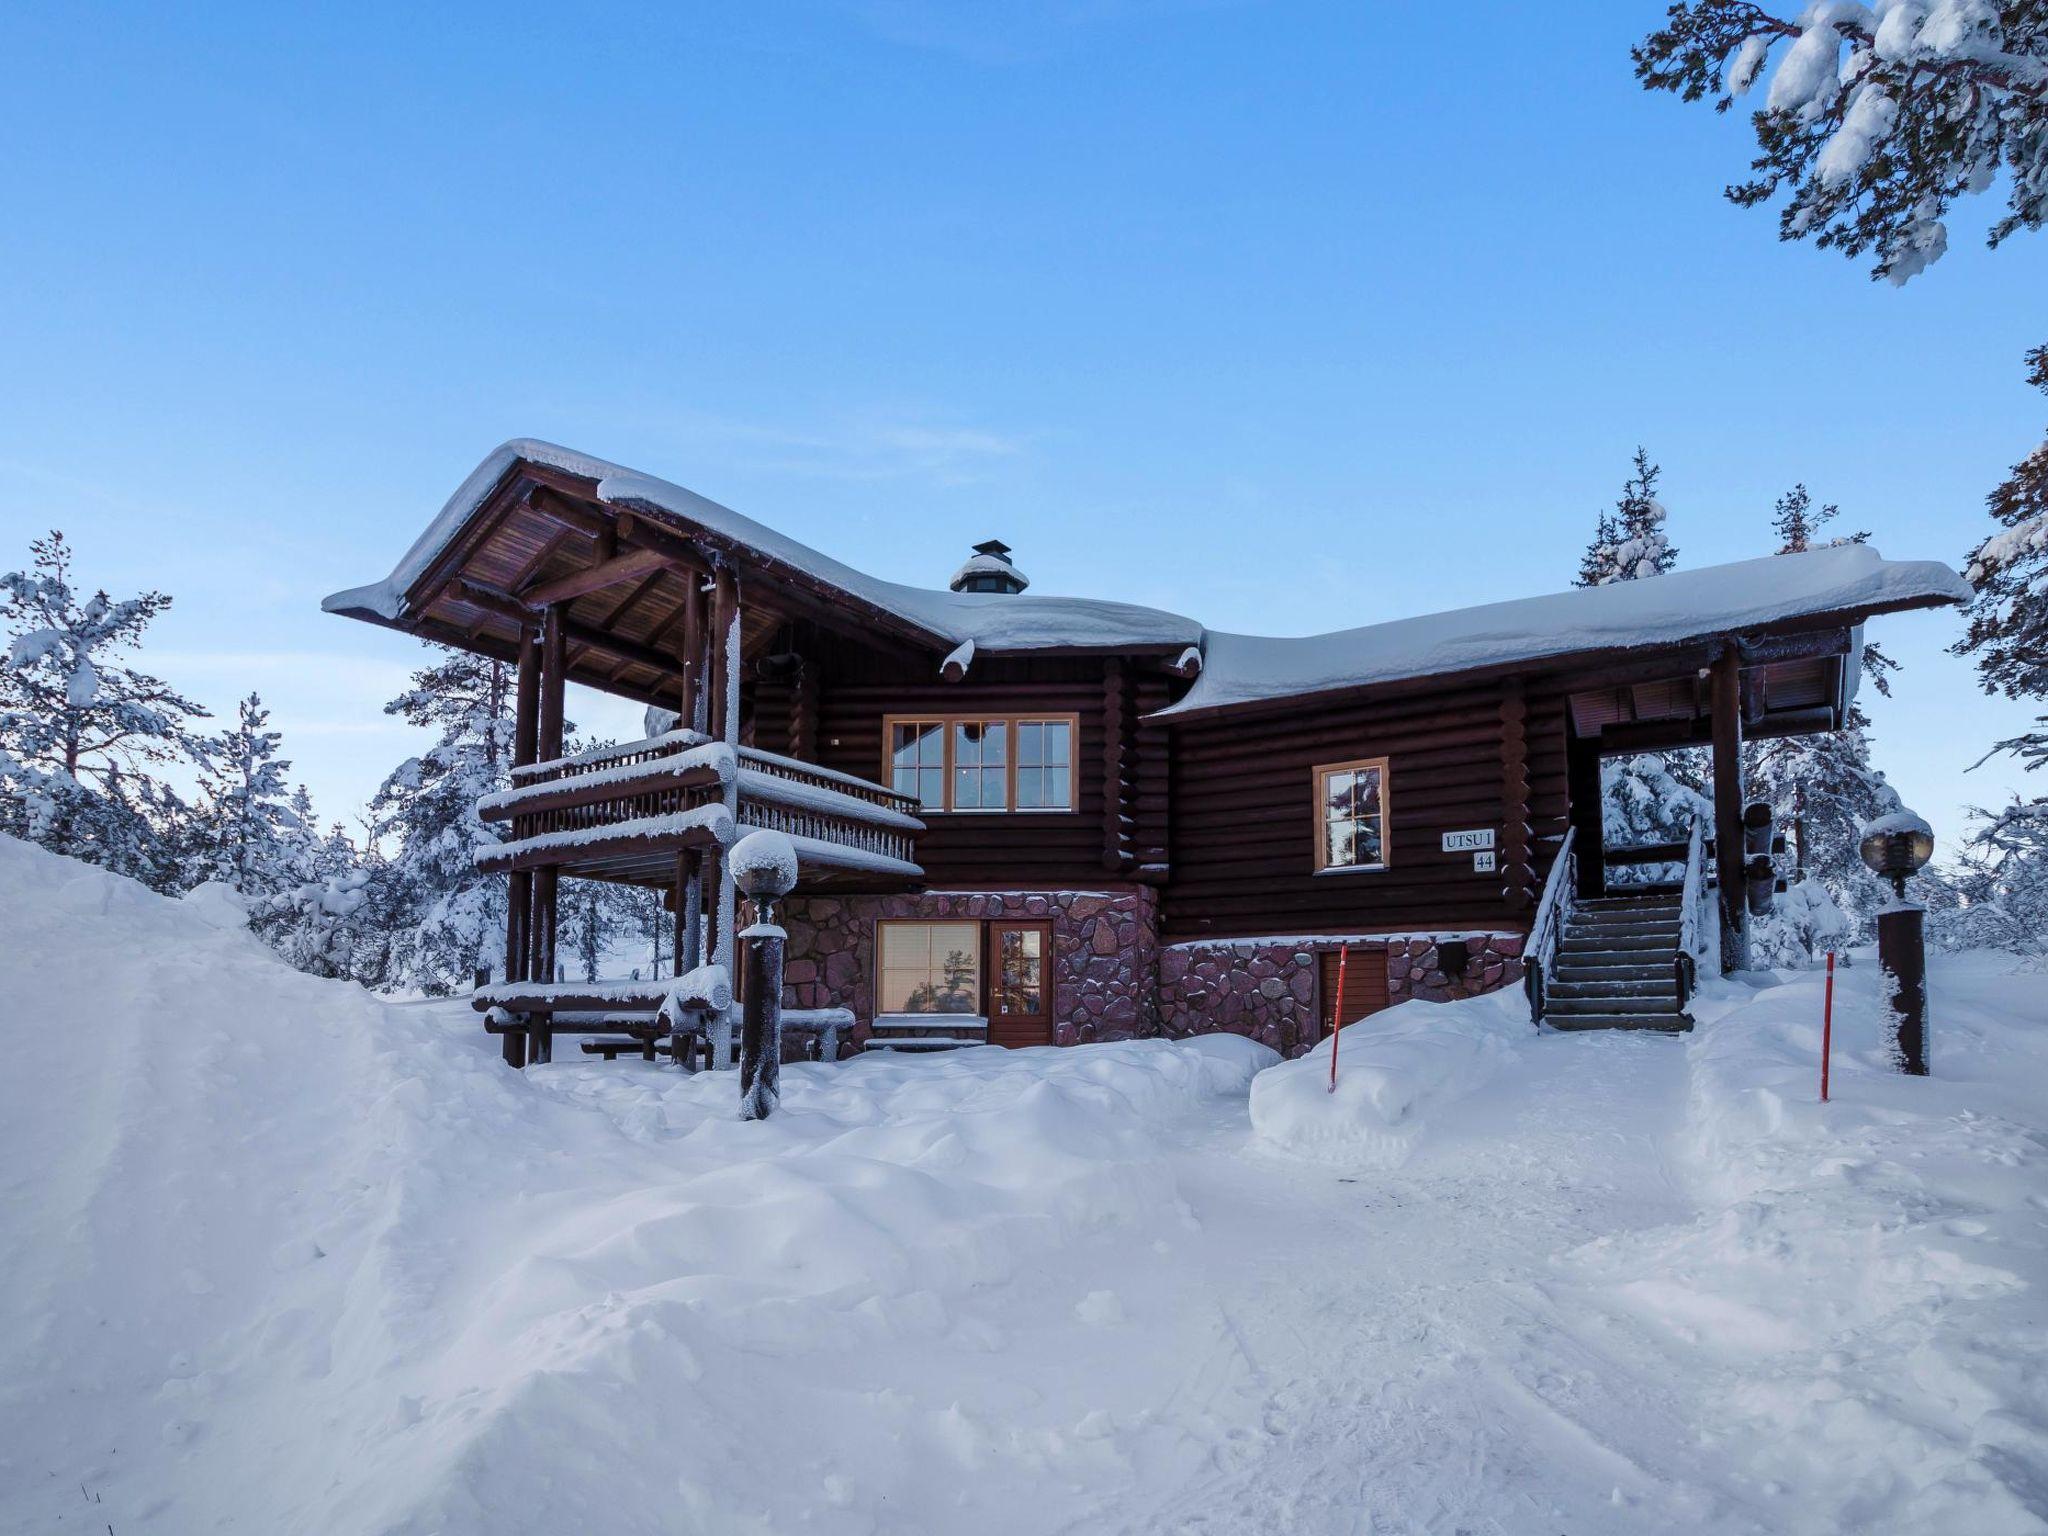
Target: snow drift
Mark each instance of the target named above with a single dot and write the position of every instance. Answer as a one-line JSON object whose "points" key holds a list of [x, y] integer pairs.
{"points": [[284, 1258], [1393, 1069]]}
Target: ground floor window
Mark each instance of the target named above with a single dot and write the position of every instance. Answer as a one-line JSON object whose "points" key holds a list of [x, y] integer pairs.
{"points": [[928, 967]]}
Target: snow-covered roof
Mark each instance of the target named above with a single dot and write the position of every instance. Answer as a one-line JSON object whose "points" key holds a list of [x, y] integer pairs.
{"points": [[1846, 579], [995, 621]]}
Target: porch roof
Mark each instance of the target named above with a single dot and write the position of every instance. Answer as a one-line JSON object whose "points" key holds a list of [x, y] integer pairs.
{"points": [[935, 619]]}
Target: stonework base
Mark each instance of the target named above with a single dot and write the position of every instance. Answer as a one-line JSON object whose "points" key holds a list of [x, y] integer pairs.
{"points": [[1104, 948]]}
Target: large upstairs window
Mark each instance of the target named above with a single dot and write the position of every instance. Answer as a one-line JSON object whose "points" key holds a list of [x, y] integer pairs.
{"points": [[979, 764], [1351, 815]]}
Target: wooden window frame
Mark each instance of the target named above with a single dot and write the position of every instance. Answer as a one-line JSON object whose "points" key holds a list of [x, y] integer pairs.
{"points": [[980, 927], [946, 721], [1319, 801]]}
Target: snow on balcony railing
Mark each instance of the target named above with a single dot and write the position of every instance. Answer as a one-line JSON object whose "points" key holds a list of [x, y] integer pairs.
{"points": [[670, 784]]}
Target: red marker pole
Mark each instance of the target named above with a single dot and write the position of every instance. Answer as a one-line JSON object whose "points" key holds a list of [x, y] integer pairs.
{"points": [[1337, 1026], [1827, 1027]]}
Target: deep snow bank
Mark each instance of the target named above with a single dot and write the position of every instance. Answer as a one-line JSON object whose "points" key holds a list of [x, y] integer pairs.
{"points": [[1393, 1069], [1867, 1282], [280, 1257]]}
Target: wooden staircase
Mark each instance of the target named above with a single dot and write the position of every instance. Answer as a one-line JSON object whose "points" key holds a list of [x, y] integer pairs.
{"points": [[1618, 964]]}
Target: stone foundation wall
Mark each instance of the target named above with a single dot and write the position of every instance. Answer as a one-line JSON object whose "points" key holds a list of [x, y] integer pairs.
{"points": [[1104, 947], [1268, 989]]}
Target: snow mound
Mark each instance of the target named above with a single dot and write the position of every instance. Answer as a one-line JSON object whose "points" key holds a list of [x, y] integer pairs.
{"points": [[283, 1257], [1394, 1068], [1863, 1283]]}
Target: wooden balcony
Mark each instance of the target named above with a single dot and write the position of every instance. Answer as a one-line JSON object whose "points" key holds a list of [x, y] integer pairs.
{"points": [[624, 813]]}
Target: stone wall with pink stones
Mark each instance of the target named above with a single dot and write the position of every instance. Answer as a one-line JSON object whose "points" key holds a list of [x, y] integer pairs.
{"points": [[1105, 944], [1267, 988]]}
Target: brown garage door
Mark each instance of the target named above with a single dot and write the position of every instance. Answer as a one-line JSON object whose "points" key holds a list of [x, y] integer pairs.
{"points": [[1365, 985]]}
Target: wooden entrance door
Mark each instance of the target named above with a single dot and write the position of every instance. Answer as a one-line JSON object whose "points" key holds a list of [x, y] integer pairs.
{"points": [[1365, 986], [1020, 984]]}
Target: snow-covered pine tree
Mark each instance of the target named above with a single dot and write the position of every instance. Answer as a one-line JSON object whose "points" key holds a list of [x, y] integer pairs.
{"points": [[1630, 542], [253, 827], [1931, 102], [80, 731], [447, 920]]}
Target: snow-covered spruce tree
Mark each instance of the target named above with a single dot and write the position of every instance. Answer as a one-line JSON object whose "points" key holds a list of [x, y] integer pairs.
{"points": [[446, 920], [1876, 118], [1629, 542], [1994, 894], [327, 918], [80, 732], [252, 826]]}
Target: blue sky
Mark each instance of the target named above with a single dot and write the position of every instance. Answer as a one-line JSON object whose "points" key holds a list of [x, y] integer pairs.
{"points": [[1286, 316]]}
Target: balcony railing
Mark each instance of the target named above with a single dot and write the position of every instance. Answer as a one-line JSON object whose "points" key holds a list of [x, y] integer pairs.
{"points": [[626, 811]]}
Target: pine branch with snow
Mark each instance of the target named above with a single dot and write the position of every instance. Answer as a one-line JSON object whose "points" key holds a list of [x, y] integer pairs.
{"points": [[2008, 630], [1876, 118]]}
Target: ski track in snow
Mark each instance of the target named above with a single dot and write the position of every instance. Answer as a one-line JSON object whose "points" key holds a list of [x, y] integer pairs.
{"points": [[282, 1258]]}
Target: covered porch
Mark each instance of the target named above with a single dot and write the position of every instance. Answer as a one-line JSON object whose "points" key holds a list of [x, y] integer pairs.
{"points": [[573, 580], [1715, 695]]}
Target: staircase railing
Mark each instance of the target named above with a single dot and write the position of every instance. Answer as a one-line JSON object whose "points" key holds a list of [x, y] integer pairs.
{"points": [[1539, 957], [1695, 917]]}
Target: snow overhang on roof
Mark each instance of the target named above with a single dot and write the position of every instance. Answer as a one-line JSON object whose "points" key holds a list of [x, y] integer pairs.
{"points": [[994, 621], [1842, 584], [1845, 583]]}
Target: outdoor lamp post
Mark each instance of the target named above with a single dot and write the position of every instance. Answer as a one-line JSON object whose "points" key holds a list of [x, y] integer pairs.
{"points": [[1895, 847], [763, 868]]}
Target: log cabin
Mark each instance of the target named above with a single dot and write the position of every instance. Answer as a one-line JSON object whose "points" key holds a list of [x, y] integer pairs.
{"points": [[1036, 820]]}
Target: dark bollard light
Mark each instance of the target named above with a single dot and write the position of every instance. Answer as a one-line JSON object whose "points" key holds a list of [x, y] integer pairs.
{"points": [[1895, 847], [763, 868]]}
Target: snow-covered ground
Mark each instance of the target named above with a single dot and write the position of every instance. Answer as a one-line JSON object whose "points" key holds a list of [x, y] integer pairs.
{"points": [[282, 1258]]}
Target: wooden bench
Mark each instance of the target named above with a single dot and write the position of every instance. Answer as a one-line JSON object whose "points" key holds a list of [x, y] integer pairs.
{"points": [[926, 1031]]}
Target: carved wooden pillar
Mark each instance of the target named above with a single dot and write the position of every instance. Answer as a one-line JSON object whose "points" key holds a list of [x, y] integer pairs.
{"points": [[1518, 874], [525, 735]]}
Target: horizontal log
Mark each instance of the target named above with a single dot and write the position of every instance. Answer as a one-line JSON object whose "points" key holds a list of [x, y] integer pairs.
{"points": [[631, 566]]}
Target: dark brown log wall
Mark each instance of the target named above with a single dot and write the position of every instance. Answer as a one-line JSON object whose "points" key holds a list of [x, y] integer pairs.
{"points": [[855, 690], [1243, 801]]}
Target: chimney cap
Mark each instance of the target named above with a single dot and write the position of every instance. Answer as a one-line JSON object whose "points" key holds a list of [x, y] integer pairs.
{"points": [[989, 569]]}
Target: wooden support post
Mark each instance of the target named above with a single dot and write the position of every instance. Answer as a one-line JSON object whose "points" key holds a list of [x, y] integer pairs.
{"points": [[725, 727], [690, 912], [1588, 817], [554, 661], [1728, 797], [724, 641], [519, 886], [696, 697]]}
